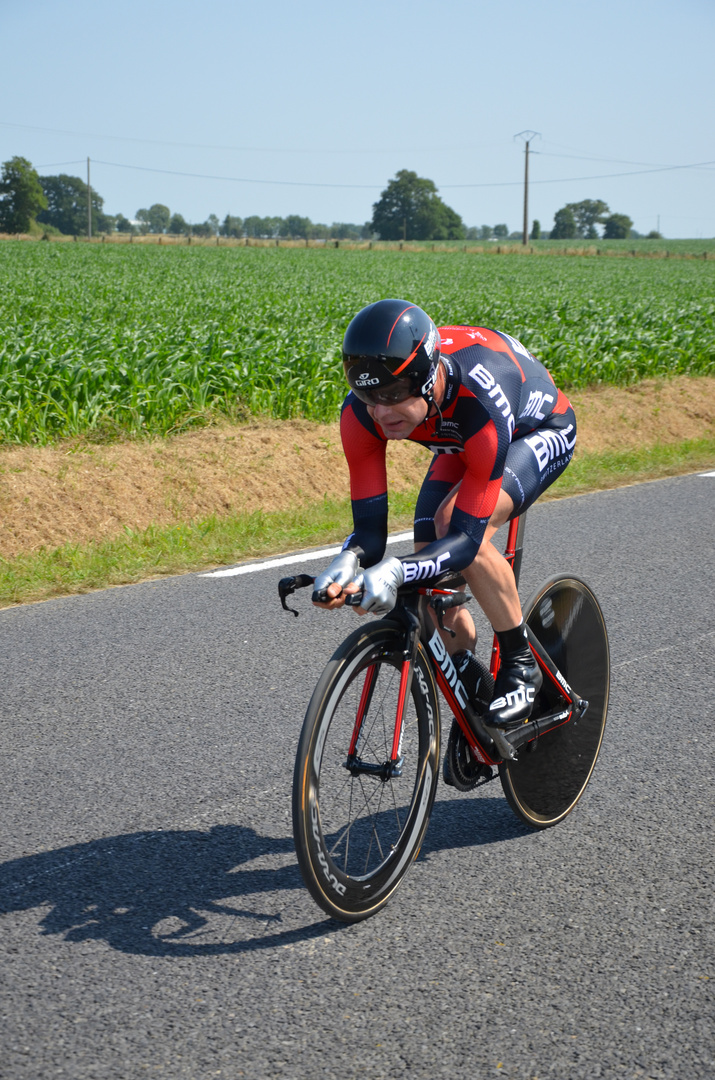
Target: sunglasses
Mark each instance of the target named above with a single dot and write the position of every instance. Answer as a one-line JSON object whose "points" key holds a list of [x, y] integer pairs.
{"points": [[394, 394]]}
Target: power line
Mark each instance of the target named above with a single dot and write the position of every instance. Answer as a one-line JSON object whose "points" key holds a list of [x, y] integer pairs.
{"points": [[59, 164], [616, 161], [237, 149], [577, 179], [375, 187], [235, 179]]}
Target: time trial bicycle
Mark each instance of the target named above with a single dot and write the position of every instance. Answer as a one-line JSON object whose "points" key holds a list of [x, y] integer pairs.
{"points": [[367, 765]]}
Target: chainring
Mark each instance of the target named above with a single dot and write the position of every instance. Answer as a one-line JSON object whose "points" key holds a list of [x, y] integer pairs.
{"points": [[460, 768]]}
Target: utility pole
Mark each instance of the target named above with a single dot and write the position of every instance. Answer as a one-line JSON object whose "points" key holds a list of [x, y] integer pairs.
{"points": [[527, 136], [89, 204]]}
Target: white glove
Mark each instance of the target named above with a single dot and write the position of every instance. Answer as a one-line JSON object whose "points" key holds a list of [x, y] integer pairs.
{"points": [[342, 569], [380, 584]]}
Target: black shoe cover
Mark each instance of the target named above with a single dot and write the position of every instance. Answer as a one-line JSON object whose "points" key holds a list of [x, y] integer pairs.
{"points": [[518, 682], [476, 679]]}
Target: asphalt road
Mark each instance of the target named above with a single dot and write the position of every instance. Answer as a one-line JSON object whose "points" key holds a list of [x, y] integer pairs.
{"points": [[152, 918]]}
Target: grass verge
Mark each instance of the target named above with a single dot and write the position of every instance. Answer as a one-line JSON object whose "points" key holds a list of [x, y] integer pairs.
{"points": [[215, 541]]}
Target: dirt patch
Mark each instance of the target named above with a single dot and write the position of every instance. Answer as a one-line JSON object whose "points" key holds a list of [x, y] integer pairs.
{"points": [[79, 492]]}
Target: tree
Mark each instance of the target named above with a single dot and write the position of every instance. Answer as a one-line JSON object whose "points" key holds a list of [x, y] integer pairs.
{"points": [[203, 229], [265, 227], [617, 227], [66, 206], [535, 233], [587, 214], [410, 209], [21, 196], [157, 217], [564, 225], [654, 235], [501, 232], [123, 224], [343, 230], [178, 226], [143, 219], [296, 227], [232, 226], [486, 232]]}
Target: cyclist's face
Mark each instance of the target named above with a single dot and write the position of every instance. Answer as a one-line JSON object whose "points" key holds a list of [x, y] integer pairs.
{"points": [[400, 419]]}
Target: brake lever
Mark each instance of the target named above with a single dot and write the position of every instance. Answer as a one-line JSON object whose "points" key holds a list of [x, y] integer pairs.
{"points": [[288, 585]]}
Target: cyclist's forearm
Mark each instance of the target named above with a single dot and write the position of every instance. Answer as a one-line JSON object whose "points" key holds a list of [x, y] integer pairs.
{"points": [[455, 551], [369, 535], [368, 545]]}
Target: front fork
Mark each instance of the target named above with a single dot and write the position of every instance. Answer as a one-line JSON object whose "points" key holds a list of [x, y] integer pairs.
{"points": [[392, 767]]}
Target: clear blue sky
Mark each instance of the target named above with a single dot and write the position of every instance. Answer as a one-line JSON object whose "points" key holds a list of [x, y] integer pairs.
{"points": [[344, 95]]}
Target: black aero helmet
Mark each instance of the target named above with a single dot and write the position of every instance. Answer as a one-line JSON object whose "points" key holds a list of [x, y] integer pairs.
{"points": [[391, 352]]}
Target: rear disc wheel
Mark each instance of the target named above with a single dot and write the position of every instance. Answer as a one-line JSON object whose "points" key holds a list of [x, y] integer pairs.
{"points": [[551, 774]]}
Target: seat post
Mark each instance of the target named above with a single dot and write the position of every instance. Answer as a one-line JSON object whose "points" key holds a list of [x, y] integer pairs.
{"points": [[515, 544]]}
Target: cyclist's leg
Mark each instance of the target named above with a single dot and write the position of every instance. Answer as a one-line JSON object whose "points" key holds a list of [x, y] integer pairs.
{"points": [[532, 464], [490, 578]]}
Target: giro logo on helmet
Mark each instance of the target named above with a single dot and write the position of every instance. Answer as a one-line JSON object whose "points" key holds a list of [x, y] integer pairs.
{"points": [[365, 380]]}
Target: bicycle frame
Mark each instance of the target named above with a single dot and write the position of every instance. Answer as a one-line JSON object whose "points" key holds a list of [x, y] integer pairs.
{"points": [[489, 746]]}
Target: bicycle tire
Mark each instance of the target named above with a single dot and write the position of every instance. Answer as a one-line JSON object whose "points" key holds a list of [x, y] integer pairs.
{"points": [[357, 836], [551, 773]]}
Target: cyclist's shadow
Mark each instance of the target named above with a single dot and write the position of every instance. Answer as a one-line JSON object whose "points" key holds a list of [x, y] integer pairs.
{"points": [[174, 892], [162, 893]]}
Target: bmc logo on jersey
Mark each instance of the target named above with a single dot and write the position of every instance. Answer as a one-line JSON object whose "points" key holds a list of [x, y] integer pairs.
{"points": [[548, 445], [424, 568], [516, 345], [486, 380], [537, 401]]}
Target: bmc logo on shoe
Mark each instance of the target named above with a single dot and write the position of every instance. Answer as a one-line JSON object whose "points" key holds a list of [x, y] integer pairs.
{"points": [[514, 697]]}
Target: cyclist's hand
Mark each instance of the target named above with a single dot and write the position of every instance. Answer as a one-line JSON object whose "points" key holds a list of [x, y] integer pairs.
{"points": [[379, 586], [328, 586]]}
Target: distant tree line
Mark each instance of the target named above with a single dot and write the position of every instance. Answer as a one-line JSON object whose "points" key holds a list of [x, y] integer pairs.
{"points": [[409, 208], [579, 220]]}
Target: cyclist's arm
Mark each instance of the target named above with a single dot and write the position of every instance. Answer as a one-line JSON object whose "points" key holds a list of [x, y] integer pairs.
{"points": [[365, 454], [485, 452]]}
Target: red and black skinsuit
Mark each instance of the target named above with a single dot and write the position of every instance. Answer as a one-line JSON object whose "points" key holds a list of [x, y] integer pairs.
{"points": [[503, 424]]}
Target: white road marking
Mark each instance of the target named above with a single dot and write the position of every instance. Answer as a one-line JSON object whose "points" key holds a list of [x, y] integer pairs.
{"points": [[290, 560], [706, 474]]}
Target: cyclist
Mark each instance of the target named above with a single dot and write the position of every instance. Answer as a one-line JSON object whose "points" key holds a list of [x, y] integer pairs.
{"points": [[501, 433]]}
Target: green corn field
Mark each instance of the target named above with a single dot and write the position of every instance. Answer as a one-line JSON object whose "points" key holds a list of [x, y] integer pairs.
{"points": [[111, 340]]}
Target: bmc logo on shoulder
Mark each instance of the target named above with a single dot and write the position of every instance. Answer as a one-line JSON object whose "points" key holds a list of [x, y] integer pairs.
{"points": [[485, 379]]}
